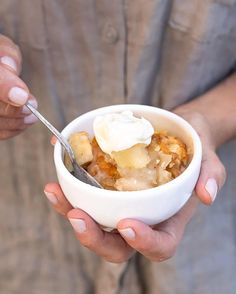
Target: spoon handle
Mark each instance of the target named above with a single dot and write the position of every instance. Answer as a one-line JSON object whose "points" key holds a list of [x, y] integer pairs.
{"points": [[79, 172], [52, 129]]}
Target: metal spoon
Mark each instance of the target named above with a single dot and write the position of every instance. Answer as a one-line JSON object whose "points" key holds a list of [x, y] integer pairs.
{"points": [[78, 172]]}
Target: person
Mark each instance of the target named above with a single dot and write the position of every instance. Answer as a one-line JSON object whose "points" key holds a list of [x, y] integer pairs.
{"points": [[80, 55]]}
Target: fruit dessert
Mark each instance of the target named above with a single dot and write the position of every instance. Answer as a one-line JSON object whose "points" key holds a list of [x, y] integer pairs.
{"points": [[127, 154]]}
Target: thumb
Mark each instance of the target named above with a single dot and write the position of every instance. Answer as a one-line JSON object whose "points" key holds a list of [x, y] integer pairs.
{"points": [[211, 179]]}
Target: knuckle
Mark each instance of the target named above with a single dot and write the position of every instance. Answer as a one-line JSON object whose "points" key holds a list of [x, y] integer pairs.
{"points": [[164, 256], [222, 174], [11, 124], [10, 112], [220, 170], [144, 247], [17, 48], [86, 242], [160, 258], [61, 211], [89, 241], [223, 170], [171, 252], [16, 124]]}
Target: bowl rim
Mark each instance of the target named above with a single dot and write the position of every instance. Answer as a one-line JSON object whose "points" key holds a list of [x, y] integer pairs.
{"points": [[195, 161]]}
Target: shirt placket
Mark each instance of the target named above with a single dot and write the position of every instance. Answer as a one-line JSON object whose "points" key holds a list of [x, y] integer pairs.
{"points": [[113, 51]]}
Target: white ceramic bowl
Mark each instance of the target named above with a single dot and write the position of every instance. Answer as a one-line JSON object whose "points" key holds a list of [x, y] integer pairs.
{"points": [[150, 206]]}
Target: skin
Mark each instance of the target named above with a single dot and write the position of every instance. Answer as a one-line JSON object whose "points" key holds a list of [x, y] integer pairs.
{"points": [[11, 116], [159, 242]]}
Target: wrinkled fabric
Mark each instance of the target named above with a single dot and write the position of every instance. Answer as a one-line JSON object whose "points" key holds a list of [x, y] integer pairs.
{"points": [[82, 54]]}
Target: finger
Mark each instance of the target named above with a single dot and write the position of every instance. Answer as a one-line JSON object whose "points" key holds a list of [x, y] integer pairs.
{"points": [[56, 197], [12, 89], [211, 179], [32, 100], [10, 55], [155, 245], [110, 246], [53, 140], [9, 63], [159, 242], [87, 231], [15, 124], [9, 111]]}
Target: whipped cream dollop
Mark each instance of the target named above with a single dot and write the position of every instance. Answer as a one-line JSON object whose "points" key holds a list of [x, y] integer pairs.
{"points": [[120, 131]]}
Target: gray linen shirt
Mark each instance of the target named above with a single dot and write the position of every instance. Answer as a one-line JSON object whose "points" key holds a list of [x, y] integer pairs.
{"points": [[82, 54]]}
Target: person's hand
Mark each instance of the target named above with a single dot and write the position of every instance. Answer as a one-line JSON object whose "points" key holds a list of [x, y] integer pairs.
{"points": [[161, 241], [212, 176], [14, 116]]}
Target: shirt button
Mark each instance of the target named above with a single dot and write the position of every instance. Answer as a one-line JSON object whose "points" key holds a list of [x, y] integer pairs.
{"points": [[110, 34]]}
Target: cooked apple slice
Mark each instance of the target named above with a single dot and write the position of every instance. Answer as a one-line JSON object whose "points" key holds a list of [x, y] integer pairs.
{"points": [[134, 157], [82, 148]]}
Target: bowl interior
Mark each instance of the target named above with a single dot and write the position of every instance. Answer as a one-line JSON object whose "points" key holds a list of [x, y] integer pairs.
{"points": [[160, 119]]}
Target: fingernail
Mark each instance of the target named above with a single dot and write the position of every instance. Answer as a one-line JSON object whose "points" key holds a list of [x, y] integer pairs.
{"points": [[30, 119], [18, 95], [51, 197], [9, 62], [25, 109], [212, 188], [78, 225], [127, 233]]}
